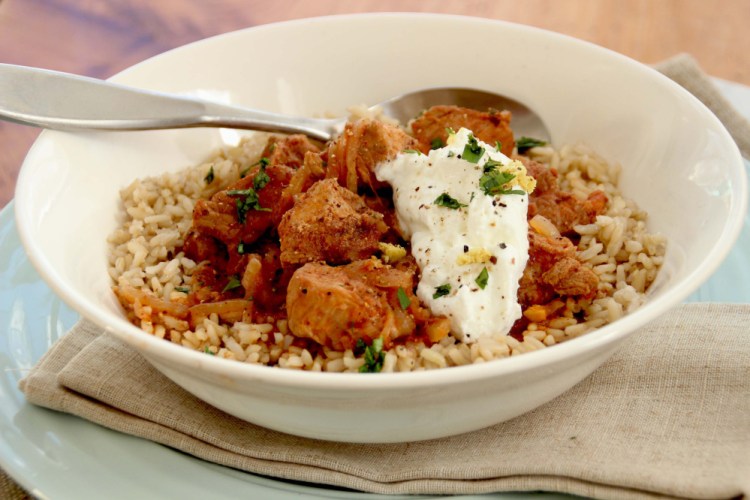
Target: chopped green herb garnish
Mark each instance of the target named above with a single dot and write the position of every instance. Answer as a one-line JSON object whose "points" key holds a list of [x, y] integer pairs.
{"points": [[412, 151], [491, 165], [359, 347], [243, 248], [249, 202], [436, 143], [450, 131], [209, 178], [234, 282], [493, 181], [482, 279], [261, 178], [472, 151], [263, 162], [447, 201], [209, 351], [183, 289], [525, 143], [498, 145], [373, 356], [441, 291], [272, 147], [403, 299]]}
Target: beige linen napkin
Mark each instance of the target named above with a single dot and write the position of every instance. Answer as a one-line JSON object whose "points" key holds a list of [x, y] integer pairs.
{"points": [[667, 416], [684, 69]]}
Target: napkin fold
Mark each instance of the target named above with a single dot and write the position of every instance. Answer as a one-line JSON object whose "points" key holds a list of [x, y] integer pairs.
{"points": [[667, 416], [684, 69]]}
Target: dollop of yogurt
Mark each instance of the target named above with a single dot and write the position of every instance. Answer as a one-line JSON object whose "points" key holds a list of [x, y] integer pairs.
{"points": [[468, 230]]}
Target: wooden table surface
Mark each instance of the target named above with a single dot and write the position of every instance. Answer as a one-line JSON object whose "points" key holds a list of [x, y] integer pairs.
{"points": [[101, 37]]}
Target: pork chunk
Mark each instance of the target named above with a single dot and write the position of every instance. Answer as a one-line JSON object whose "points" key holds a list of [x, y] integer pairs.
{"points": [[546, 177], [569, 276], [329, 223], [336, 306], [289, 150], [562, 208], [553, 270], [231, 216], [490, 127], [565, 210], [363, 144], [199, 247]]}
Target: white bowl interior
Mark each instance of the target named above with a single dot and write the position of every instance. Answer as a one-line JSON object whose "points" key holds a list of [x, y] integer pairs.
{"points": [[678, 162]]}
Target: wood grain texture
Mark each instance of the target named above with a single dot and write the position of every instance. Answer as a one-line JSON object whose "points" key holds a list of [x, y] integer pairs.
{"points": [[101, 37]]}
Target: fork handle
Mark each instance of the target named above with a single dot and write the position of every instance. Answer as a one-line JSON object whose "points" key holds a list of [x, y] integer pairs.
{"points": [[62, 101]]}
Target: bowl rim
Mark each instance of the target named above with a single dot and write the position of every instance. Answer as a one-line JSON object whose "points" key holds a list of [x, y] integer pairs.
{"points": [[172, 354]]}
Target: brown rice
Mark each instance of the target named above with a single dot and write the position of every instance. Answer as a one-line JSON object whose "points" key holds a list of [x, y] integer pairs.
{"points": [[157, 213]]}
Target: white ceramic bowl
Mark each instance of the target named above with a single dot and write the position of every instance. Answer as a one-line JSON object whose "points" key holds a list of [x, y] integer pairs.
{"points": [[678, 161]]}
